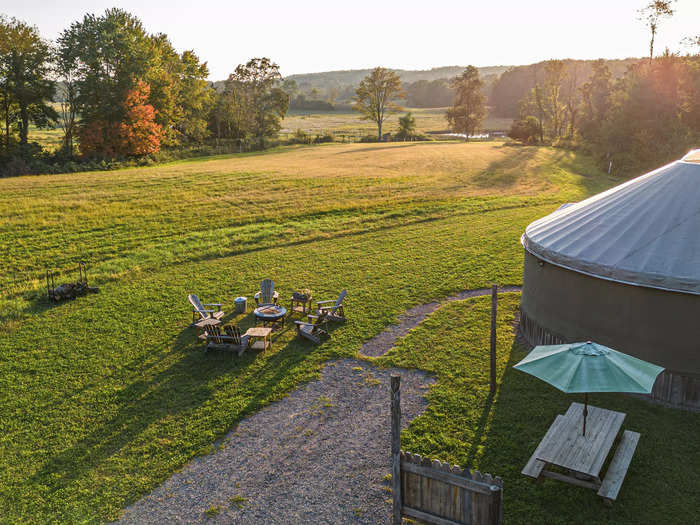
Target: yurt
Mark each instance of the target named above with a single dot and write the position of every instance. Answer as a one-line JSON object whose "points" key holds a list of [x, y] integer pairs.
{"points": [[622, 268]]}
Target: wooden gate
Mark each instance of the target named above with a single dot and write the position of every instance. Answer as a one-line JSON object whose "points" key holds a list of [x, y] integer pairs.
{"points": [[435, 492]]}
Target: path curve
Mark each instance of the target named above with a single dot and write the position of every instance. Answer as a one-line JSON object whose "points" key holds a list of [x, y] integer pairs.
{"points": [[385, 341], [319, 455]]}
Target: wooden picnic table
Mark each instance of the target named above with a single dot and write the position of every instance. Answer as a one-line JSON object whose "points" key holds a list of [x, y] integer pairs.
{"points": [[582, 457]]}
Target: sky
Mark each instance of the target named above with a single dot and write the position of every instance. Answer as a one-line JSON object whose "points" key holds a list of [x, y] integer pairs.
{"points": [[311, 36]]}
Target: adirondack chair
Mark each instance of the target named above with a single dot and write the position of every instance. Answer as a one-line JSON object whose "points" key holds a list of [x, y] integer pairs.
{"points": [[267, 293], [229, 339], [335, 311], [198, 309], [313, 331]]}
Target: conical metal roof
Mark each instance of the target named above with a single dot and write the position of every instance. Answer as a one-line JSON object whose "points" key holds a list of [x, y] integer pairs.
{"points": [[645, 232]]}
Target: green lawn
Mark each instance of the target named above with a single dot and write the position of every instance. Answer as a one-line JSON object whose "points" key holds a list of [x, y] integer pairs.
{"points": [[465, 426], [105, 396]]}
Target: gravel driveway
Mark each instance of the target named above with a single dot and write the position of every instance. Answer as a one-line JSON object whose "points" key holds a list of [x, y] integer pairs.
{"points": [[319, 455]]}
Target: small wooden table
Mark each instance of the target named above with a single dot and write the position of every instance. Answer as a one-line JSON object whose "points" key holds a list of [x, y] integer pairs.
{"points": [[300, 306], [582, 457], [262, 334]]}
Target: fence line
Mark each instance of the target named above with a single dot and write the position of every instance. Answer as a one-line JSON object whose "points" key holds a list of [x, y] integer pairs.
{"points": [[436, 492]]}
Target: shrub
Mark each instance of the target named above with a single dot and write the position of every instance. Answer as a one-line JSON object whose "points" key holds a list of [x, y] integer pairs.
{"points": [[326, 137], [526, 130]]}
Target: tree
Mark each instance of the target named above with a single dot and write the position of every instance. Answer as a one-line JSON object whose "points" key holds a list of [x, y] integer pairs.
{"points": [[469, 106], [195, 97], [112, 53], [375, 96], [407, 126], [290, 87], [526, 130], [137, 134], [66, 67], [265, 103], [596, 101], [652, 14], [252, 103], [554, 76], [108, 55], [25, 60]]}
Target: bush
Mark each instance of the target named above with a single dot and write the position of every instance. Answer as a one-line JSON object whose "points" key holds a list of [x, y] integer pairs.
{"points": [[526, 130], [300, 137], [326, 137]]}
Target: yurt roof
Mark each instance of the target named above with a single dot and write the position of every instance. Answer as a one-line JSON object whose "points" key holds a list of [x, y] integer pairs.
{"points": [[644, 232]]}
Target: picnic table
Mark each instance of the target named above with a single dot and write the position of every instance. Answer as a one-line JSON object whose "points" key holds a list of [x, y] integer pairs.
{"points": [[582, 457]]}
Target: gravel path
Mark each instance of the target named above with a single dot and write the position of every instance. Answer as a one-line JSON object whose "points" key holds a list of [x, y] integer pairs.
{"points": [[317, 456], [382, 343]]}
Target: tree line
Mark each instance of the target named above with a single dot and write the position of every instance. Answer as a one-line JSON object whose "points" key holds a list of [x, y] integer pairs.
{"points": [[636, 120], [123, 92]]}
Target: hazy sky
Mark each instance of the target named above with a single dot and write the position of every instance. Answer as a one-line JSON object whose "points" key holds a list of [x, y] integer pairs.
{"points": [[307, 36]]}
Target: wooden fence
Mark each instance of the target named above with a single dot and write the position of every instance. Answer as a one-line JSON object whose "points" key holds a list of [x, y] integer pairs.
{"points": [[435, 492]]}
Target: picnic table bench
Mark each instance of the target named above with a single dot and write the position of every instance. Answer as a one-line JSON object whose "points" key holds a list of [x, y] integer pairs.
{"points": [[582, 457]]}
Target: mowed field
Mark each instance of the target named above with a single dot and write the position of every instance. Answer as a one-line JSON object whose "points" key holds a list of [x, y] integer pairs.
{"points": [[106, 396], [428, 120], [341, 123]]}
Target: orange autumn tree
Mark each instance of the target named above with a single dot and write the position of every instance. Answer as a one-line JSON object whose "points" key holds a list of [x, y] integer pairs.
{"points": [[136, 134], [139, 132]]}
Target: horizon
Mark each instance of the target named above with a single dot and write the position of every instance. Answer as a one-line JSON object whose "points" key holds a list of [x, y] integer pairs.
{"points": [[318, 38]]}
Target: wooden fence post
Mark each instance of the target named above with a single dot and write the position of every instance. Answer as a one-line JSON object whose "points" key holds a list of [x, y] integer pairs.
{"points": [[396, 446], [494, 313]]}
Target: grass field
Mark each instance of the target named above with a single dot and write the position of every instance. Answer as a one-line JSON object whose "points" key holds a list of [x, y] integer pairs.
{"points": [[428, 120], [105, 396], [316, 122]]}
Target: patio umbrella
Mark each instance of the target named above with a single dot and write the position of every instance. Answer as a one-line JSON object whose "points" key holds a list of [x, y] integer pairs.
{"points": [[589, 367]]}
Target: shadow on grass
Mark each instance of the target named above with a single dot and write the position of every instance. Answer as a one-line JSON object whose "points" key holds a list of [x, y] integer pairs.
{"points": [[164, 397], [520, 415], [380, 148], [507, 171]]}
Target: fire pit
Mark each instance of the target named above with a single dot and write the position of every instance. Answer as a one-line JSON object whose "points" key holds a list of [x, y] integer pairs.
{"points": [[270, 313]]}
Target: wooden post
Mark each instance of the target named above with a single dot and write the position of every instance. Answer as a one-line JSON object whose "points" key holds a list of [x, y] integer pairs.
{"points": [[396, 446], [494, 312]]}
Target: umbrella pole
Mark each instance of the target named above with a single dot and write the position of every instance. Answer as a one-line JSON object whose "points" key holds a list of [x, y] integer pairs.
{"points": [[585, 411]]}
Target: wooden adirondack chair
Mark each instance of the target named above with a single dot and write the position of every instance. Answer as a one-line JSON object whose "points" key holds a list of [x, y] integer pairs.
{"points": [[229, 339], [313, 331], [267, 293], [335, 311], [198, 309]]}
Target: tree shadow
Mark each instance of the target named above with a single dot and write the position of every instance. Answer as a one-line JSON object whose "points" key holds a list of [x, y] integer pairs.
{"points": [[520, 415], [507, 171], [380, 148]]}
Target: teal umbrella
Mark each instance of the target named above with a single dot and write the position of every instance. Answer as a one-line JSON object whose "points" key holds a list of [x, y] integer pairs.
{"points": [[589, 367]]}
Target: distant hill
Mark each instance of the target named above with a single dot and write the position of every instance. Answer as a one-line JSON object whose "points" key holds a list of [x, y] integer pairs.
{"points": [[512, 85], [354, 76]]}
